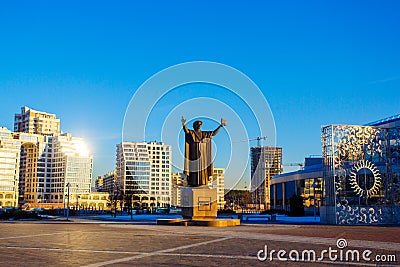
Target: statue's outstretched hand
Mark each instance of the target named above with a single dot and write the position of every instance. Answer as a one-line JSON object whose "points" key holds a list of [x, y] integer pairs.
{"points": [[223, 122], [183, 121]]}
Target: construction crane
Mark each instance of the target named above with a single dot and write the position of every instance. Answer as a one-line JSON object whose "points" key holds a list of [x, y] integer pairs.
{"points": [[294, 164], [253, 139]]}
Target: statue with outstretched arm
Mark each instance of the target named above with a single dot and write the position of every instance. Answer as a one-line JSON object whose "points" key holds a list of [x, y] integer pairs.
{"points": [[198, 154]]}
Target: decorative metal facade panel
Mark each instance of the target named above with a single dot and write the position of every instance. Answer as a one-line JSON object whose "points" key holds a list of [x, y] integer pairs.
{"points": [[361, 173]]}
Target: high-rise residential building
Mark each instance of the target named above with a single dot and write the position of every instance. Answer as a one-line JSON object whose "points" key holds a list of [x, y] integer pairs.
{"points": [[177, 182], [36, 122], [71, 165], [144, 172], [9, 168], [48, 163], [266, 161], [33, 166], [106, 182], [133, 168], [218, 182], [98, 184]]}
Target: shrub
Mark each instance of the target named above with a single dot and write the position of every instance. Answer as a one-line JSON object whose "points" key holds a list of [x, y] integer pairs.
{"points": [[18, 215], [226, 211], [296, 206]]}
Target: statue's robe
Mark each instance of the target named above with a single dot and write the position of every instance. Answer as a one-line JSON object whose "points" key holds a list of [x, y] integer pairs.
{"points": [[198, 157]]}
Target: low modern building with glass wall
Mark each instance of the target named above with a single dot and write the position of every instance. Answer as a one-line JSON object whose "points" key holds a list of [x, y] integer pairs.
{"points": [[361, 173], [306, 182]]}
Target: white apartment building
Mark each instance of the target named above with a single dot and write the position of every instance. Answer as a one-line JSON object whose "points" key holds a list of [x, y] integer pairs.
{"points": [[144, 172], [176, 187], [32, 167], [106, 182], [71, 165], [9, 168], [218, 182], [36, 122], [47, 162]]}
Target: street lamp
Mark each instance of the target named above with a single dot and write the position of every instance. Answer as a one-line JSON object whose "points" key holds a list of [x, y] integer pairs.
{"points": [[114, 195], [67, 185], [77, 202], [77, 199]]}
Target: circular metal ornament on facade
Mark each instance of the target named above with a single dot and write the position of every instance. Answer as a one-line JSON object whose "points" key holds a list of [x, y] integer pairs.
{"points": [[368, 192]]}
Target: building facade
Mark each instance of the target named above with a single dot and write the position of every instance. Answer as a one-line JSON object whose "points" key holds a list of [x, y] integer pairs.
{"points": [[71, 165], [33, 167], [144, 172], [266, 161], [41, 163], [9, 168], [98, 184], [48, 164], [177, 182], [218, 182], [106, 182], [361, 173], [306, 182], [92, 201], [36, 122]]}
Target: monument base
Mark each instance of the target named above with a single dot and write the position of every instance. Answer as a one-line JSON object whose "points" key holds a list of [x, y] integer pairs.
{"points": [[199, 203]]}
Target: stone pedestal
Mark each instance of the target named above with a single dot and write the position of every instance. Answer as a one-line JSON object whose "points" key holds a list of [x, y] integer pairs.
{"points": [[199, 203]]}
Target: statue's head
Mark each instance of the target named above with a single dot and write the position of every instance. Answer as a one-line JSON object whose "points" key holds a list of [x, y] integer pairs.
{"points": [[197, 125]]}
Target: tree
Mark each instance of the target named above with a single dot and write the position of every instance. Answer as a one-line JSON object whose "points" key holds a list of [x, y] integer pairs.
{"points": [[238, 198], [128, 198], [116, 196], [296, 206]]}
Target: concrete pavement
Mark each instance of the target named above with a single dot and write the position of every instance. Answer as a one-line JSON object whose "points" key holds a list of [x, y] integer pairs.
{"points": [[91, 243]]}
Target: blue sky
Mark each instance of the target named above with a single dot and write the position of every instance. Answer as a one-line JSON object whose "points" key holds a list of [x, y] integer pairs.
{"points": [[316, 62]]}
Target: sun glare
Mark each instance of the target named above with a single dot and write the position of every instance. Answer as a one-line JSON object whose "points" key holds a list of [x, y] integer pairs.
{"points": [[81, 149]]}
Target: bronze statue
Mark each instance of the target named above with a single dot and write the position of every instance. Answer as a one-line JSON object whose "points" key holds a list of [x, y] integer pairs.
{"points": [[198, 156]]}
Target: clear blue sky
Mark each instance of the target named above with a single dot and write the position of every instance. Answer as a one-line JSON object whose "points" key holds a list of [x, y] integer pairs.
{"points": [[316, 62]]}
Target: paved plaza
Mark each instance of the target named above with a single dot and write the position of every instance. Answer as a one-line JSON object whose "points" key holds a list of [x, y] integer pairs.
{"points": [[93, 243]]}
